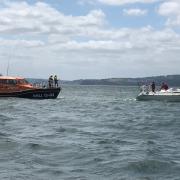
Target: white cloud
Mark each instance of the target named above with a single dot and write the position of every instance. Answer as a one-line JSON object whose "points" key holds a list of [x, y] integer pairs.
{"points": [[134, 12], [41, 40], [171, 9], [21, 43], [22, 18], [122, 52], [119, 2]]}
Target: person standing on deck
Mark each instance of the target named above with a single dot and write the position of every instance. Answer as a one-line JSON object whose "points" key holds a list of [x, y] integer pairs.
{"points": [[55, 81], [50, 81], [153, 86]]}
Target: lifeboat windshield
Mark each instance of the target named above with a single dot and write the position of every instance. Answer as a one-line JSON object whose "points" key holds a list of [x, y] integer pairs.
{"points": [[23, 81]]}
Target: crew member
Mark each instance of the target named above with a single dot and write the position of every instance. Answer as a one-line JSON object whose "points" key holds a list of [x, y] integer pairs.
{"points": [[55, 81], [50, 81]]}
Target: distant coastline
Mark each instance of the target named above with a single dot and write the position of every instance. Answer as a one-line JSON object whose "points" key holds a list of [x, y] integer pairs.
{"points": [[172, 80]]}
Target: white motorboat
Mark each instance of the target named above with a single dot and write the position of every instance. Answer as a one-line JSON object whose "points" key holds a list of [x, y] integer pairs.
{"points": [[172, 95]]}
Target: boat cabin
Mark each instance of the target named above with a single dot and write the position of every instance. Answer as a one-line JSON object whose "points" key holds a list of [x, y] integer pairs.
{"points": [[8, 83]]}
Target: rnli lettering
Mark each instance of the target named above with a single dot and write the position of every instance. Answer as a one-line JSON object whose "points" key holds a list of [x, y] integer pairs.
{"points": [[41, 95]]}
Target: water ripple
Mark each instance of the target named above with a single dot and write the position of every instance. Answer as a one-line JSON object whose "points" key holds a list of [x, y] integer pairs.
{"points": [[89, 132]]}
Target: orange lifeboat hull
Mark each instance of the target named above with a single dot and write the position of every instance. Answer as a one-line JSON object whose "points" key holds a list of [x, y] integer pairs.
{"points": [[48, 93], [19, 87]]}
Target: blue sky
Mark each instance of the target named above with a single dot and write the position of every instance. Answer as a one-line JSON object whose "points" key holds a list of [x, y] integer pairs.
{"points": [[114, 14], [90, 38]]}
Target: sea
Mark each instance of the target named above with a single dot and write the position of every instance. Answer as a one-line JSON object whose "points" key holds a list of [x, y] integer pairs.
{"points": [[90, 133]]}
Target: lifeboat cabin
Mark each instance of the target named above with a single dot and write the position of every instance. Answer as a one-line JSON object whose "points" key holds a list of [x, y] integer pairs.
{"points": [[20, 87]]}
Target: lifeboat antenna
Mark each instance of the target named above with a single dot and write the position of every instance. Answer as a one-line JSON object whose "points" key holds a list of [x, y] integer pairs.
{"points": [[8, 68], [9, 61]]}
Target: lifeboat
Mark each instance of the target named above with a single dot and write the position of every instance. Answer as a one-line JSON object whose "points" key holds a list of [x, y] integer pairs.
{"points": [[21, 88]]}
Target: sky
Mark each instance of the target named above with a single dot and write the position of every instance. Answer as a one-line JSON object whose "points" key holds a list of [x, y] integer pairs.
{"points": [[90, 39]]}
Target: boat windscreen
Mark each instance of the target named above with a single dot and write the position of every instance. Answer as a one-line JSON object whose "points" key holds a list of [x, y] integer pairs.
{"points": [[23, 81]]}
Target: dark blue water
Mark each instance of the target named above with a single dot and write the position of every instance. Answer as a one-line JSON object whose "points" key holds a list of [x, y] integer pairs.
{"points": [[89, 132]]}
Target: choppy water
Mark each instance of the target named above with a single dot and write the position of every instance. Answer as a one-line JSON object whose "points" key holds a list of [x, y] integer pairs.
{"points": [[89, 132]]}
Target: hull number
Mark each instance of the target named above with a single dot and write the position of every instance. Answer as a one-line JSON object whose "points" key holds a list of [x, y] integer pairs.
{"points": [[39, 95]]}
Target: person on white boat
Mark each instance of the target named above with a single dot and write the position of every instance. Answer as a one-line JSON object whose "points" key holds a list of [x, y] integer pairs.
{"points": [[164, 86], [153, 86]]}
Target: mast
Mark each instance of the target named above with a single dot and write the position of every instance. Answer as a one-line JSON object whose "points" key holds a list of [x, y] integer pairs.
{"points": [[7, 72]]}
